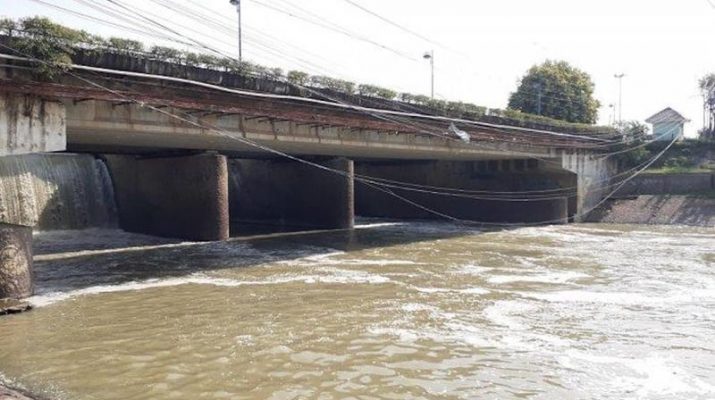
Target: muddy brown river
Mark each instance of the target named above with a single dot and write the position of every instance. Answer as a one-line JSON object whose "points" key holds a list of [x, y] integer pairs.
{"points": [[389, 311]]}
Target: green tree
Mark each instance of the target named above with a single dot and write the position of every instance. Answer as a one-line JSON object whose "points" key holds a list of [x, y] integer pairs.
{"points": [[52, 43], [125, 45], [558, 90], [7, 26], [707, 87], [299, 78], [376, 91], [632, 131], [338, 85]]}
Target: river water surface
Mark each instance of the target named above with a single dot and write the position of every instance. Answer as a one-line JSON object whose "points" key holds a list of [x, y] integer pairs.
{"points": [[389, 311]]}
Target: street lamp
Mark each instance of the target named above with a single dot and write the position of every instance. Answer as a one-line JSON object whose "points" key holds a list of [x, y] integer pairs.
{"points": [[430, 56], [612, 114], [237, 3], [620, 95]]}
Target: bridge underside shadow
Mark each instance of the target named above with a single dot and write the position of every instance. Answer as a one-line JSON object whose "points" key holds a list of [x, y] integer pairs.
{"points": [[488, 191], [290, 195]]}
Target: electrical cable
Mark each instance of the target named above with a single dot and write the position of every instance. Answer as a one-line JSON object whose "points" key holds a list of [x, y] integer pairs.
{"points": [[204, 46], [368, 180], [343, 173], [621, 151]]}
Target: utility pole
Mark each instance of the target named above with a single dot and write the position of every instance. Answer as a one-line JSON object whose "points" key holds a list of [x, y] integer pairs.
{"points": [[237, 3], [620, 95], [430, 56]]}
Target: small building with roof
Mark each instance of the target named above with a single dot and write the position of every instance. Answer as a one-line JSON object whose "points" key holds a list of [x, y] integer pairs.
{"points": [[668, 125]]}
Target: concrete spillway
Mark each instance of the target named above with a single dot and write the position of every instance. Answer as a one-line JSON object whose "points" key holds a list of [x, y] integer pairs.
{"points": [[58, 191]]}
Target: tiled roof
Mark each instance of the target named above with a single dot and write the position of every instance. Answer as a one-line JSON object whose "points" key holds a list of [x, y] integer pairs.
{"points": [[666, 115]]}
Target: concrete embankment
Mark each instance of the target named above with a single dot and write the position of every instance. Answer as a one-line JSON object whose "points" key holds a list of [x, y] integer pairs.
{"points": [[658, 210], [662, 199]]}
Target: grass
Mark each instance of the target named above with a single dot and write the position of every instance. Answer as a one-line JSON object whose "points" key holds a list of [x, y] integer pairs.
{"points": [[710, 194], [680, 170]]}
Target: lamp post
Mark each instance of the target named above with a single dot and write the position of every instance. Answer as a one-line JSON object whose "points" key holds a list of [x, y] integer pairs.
{"points": [[237, 3], [430, 56], [620, 95], [612, 114]]}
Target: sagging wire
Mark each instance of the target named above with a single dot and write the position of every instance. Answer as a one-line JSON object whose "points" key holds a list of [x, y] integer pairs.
{"points": [[319, 166]]}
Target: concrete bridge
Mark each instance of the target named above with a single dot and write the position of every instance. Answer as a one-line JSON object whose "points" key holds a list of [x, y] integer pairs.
{"points": [[187, 161]]}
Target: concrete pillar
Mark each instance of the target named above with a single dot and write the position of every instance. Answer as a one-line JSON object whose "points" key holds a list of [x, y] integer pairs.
{"points": [[289, 193], [16, 277], [30, 124], [593, 177], [371, 202], [180, 197]]}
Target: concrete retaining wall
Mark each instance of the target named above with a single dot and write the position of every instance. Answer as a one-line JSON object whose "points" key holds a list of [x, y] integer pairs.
{"points": [[290, 193], [179, 197], [677, 183], [29, 124]]}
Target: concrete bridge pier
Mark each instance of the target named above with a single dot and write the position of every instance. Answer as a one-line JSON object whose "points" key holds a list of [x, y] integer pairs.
{"points": [[293, 194], [16, 277], [593, 175], [28, 124], [487, 175], [183, 197]]}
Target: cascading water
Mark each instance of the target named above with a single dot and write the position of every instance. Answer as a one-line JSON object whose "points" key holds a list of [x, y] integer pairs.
{"points": [[56, 191]]}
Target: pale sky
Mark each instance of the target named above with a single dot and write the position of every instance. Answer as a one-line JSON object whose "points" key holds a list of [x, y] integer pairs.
{"points": [[482, 47]]}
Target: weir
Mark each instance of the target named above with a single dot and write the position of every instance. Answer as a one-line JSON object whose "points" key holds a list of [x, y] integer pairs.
{"points": [[144, 172], [56, 191]]}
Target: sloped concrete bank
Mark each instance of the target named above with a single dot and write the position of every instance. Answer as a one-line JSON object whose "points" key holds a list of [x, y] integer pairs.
{"points": [[662, 199], [663, 209]]}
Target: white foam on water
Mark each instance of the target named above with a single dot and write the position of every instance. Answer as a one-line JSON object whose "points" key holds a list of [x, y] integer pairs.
{"points": [[306, 257], [472, 269], [414, 307], [651, 375], [430, 290], [378, 225], [474, 290], [336, 277], [474, 336], [622, 298], [54, 297], [382, 262], [501, 313], [555, 277], [319, 257]]}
